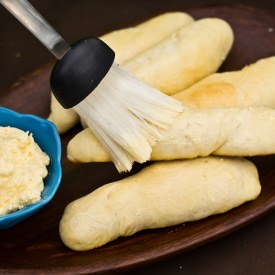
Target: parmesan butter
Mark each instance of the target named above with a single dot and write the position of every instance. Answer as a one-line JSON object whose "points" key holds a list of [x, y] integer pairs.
{"points": [[23, 166]]}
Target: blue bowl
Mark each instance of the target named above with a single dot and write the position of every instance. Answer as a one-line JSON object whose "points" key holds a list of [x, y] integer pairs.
{"points": [[46, 136]]}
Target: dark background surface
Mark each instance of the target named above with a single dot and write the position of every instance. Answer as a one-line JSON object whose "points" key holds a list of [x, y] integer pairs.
{"points": [[250, 250]]}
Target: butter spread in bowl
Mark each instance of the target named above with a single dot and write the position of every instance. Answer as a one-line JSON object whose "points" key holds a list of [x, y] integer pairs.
{"points": [[23, 166], [30, 169]]}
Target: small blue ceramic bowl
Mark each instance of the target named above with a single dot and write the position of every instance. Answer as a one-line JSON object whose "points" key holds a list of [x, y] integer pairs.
{"points": [[46, 136]]}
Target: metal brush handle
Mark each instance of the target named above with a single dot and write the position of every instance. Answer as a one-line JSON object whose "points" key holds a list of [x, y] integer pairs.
{"points": [[34, 22]]}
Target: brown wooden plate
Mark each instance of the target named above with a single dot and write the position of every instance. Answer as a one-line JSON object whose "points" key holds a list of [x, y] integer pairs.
{"points": [[34, 245]]}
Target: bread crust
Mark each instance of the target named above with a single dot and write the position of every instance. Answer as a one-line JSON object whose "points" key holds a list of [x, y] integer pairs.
{"points": [[254, 85], [161, 195], [198, 132]]}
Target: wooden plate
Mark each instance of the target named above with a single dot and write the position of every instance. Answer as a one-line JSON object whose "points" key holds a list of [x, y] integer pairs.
{"points": [[35, 246]]}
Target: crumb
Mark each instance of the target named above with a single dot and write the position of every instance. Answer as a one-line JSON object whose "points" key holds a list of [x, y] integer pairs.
{"points": [[270, 29]]}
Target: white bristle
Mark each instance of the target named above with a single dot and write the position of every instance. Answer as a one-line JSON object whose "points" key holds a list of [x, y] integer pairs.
{"points": [[127, 116]]}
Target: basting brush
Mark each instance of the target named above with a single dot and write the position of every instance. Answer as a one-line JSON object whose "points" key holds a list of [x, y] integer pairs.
{"points": [[127, 115]]}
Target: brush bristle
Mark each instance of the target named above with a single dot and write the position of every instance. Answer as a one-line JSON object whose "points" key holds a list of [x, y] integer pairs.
{"points": [[127, 116]]}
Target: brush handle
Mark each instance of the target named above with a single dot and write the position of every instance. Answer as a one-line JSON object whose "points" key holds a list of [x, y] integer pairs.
{"points": [[77, 73], [35, 23]]}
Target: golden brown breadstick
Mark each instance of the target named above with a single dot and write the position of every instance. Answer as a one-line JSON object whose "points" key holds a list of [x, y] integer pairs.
{"points": [[185, 57], [161, 195], [198, 132], [254, 85], [64, 119], [129, 42]]}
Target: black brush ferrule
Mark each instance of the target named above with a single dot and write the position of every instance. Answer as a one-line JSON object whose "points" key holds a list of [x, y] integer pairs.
{"points": [[80, 70]]}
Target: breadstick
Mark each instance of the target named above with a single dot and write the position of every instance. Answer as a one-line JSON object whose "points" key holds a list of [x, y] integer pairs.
{"points": [[198, 132], [127, 43], [185, 57], [161, 195], [64, 119], [254, 85]]}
